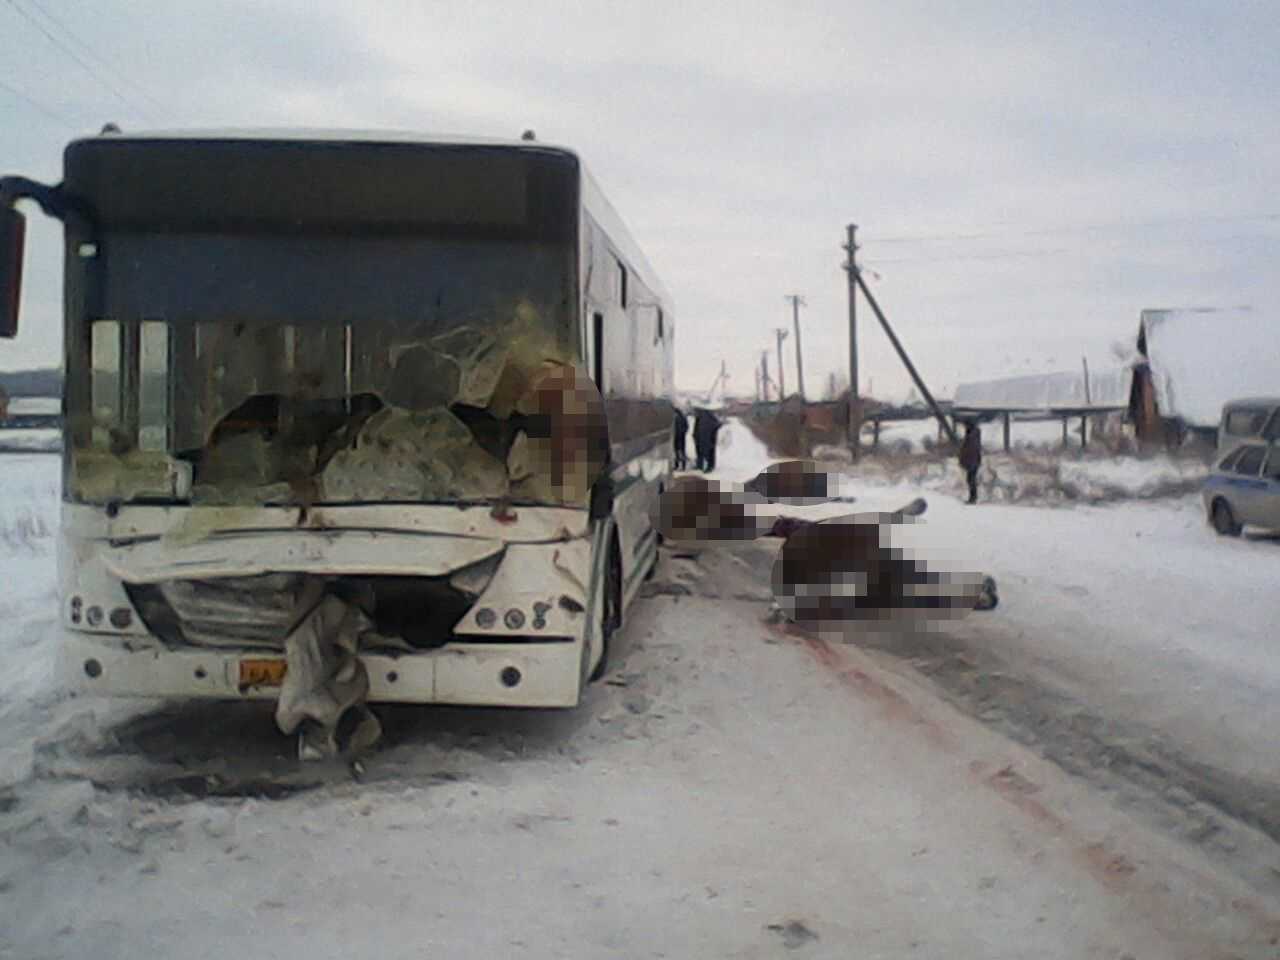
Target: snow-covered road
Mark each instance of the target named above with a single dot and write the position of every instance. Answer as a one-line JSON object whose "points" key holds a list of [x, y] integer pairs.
{"points": [[1131, 619], [732, 789], [1139, 608]]}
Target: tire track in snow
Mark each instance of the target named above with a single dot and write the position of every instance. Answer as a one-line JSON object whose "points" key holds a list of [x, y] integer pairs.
{"points": [[1233, 820], [1105, 860]]}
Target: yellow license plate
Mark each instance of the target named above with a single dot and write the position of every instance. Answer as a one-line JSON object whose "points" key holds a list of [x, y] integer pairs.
{"points": [[262, 672]]}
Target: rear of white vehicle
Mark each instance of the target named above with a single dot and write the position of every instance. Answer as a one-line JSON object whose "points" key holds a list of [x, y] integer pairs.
{"points": [[1255, 420]]}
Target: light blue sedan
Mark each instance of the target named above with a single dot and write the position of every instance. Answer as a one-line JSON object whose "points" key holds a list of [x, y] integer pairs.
{"points": [[1244, 489]]}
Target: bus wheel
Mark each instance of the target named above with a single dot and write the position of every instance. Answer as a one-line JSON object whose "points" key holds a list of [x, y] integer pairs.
{"points": [[653, 567], [611, 607]]}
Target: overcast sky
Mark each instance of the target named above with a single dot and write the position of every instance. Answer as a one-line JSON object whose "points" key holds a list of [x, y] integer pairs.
{"points": [[1026, 176]]}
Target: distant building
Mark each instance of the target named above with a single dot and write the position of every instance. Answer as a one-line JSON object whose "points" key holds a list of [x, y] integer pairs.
{"points": [[1048, 393], [1191, 362]]}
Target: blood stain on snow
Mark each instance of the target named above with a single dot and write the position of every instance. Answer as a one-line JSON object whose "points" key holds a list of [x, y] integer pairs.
{"points": [[895, 706]]}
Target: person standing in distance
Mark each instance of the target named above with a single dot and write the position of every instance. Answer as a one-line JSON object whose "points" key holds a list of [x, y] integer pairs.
{"points": [[680, 430], [971, 457]]}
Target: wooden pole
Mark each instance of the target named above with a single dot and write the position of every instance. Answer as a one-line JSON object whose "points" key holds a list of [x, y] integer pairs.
{"points": [[1088, 402], [855, 402], [782, 370], [1006, 431], [902, 353], [797, 302]]}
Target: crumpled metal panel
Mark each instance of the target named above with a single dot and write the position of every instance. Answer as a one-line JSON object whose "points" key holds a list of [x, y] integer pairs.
{"points": [[240, 611], [345, 552]]}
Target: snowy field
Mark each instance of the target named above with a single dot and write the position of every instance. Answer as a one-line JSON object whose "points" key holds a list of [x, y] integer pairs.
{"points": [[731, 789], [29, 487], [42, 439], [35, 441]]}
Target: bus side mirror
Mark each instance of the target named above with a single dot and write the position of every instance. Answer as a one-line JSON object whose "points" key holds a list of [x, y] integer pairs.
{"points": [[13, 232]]}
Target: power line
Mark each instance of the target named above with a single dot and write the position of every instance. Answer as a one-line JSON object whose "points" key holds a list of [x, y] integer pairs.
{"points": [[35, 104], [1078, 228], [90, 51], [949, 257], [1001, 255], [74, 56]]}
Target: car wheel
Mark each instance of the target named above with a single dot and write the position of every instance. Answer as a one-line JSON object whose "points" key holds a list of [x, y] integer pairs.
{"points": [[1224, 520]]}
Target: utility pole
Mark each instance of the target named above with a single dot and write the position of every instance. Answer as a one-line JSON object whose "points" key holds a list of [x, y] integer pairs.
{"points": [[1084, 438], [855, 403], [797, 302], [764, 373], [722, 380], [943, 423], [782, 370]]}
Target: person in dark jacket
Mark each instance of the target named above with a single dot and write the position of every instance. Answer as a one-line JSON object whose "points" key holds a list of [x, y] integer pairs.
{"points": [[705, 427], [971, 458], [680, 430], [712, 441], [699, 439]]}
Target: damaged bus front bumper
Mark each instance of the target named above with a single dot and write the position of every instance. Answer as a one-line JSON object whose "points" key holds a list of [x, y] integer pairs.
{"points": [[543, 674], [434, 617]]}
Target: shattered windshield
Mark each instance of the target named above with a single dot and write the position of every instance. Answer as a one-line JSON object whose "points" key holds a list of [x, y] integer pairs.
{"points": [[428, 401]]}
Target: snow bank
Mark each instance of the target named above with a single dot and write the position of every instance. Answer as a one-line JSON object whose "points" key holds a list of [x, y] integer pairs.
{"points": [[29, 492], [31, 441], [23, 406], [1043, 478]]}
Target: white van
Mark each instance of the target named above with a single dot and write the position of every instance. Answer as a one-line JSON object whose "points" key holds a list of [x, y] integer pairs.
{"points": [[1256, 419]]}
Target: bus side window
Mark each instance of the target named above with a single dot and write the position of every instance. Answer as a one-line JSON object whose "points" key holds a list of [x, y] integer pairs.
{"points": [[153, 386], [105, 383], [597, 351]]}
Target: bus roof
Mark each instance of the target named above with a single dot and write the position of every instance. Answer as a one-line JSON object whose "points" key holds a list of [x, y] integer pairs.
{"points": [[593, 199], [326, 135]]}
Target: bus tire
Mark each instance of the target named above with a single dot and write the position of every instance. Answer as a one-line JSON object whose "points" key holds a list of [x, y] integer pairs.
{"points": [[611, 607], [653, 566]]}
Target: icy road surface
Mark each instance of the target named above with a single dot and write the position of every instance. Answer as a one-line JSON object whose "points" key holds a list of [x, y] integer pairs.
{"points": [[732, 790], [1132, 644], [1137, 608]]}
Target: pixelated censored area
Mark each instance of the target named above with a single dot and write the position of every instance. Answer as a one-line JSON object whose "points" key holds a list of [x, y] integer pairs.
{"points": [[566, 439], [827, 573], [794, 483], [841, 571], [694, 508]]}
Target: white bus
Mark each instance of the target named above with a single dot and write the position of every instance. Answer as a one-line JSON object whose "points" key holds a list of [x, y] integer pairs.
{"points": [[354, 368]]}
